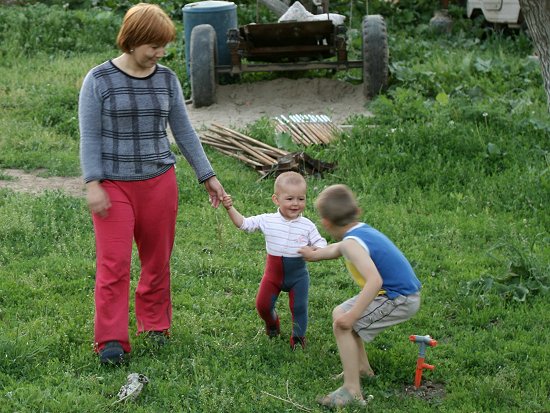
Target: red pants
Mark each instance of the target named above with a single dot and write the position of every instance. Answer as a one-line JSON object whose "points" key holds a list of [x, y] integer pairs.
{"points": [[145, 211], [287, 274]]}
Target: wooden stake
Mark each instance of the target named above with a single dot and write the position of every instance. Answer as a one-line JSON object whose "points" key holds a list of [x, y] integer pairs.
{"points": [[248, 138]]}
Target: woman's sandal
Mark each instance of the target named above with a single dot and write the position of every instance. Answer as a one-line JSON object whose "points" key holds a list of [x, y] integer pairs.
{"points": [[341, 397]]}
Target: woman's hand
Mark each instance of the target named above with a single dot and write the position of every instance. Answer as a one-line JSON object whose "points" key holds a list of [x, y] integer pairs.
{"points": [[98, 200], [215, 191]]}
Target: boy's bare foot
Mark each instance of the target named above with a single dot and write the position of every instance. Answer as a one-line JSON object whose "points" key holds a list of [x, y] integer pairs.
{"points": [[341, 397], [362, 373]]}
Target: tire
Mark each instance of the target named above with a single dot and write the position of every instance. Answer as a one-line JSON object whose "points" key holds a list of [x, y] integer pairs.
{"points": [[375, 55], [203, 53]]}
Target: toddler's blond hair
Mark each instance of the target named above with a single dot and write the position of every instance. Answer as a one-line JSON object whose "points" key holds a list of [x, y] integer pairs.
{"points": [[288, 178]]}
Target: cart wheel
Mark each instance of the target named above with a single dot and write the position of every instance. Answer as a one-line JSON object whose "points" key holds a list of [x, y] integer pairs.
{"points": [[375, 55], [203, 53]]}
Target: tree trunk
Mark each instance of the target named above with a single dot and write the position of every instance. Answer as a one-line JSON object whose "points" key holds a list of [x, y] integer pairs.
{"points": [[537, 17]]}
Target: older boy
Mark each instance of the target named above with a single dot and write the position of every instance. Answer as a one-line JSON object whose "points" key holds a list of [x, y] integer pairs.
{"points": [[390, 291], [285, 231]]}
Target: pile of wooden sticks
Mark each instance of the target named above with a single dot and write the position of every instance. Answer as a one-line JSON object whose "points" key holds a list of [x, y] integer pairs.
{"points": [[240, 146], [264, 158], [307, 129]]}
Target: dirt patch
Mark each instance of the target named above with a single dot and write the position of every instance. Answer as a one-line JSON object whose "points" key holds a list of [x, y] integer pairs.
{"points": [[32, 183], [427, 391], [237, 106], [241, 104]]}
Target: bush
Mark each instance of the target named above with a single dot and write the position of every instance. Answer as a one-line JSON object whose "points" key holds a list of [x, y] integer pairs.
{"points": [[25, 31]]}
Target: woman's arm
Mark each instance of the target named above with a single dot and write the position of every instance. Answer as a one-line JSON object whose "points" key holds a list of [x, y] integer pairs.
{"points": [[185, 135], [89, 119]]}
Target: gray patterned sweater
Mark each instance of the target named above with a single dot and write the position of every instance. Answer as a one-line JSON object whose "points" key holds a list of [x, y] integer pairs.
{"points": [[123, 121]]}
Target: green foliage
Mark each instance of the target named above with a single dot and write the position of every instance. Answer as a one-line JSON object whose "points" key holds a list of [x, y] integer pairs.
{"points": [[55, 215], [39, 110], [402, 13], [26, 31], [523, 275], [481, 70]]}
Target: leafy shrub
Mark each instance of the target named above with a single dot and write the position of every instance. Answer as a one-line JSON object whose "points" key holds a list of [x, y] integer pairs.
{"points": [[523, 276], [25, 31]]}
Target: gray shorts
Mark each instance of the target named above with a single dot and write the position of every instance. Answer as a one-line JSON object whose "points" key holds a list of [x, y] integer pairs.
{"points": [[383, 313]]}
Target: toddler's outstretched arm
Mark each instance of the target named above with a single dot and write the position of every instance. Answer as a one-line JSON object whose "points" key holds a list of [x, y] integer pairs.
{"points": [[235, 215]]}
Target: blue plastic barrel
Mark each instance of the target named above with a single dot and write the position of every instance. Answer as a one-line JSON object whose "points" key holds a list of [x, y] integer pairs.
{"points": [[221, 15]]}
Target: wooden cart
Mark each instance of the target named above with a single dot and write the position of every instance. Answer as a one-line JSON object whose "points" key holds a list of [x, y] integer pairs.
{"points": [[287, 46]]}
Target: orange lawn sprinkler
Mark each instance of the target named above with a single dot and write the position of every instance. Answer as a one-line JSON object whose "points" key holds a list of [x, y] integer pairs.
{"points": [[422, 341]]}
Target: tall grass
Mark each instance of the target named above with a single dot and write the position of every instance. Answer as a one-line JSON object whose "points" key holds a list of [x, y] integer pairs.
{"points": [[454, 167]]}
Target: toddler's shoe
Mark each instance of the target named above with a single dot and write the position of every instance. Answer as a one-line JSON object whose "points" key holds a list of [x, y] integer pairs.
{"points": [[112, 353], [273, 330], [296, 341]]}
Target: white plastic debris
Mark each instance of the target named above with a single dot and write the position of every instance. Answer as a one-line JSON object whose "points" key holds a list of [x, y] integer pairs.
{"points": [[133, 387], [297, 12], [337, 19]]}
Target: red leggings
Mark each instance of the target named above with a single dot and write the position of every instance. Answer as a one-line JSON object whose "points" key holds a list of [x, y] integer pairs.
{"points": [[145, 211], [287, 274]]}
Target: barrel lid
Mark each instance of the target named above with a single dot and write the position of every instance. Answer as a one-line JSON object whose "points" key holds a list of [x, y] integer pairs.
{"points": [[211, 5]]}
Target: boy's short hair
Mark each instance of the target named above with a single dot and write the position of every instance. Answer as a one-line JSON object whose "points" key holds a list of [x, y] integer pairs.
{"points": [[145, 24], [288, 178], [338, 205]]}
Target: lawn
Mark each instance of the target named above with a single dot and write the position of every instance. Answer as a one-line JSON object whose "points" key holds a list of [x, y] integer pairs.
{"points": [[453, 167]]}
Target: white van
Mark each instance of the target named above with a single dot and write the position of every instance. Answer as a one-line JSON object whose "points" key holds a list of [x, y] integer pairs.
{"points": [[496, 11]]}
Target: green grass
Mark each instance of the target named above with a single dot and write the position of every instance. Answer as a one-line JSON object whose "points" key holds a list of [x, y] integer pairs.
{"points": [[454, 167]]}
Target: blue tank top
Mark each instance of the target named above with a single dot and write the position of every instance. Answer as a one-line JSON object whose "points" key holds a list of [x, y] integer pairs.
{"points": [[398, 277]]}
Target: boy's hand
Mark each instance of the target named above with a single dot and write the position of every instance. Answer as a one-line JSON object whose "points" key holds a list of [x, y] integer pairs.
{"points": [[227, 201], [312, 253], [308, 253]]}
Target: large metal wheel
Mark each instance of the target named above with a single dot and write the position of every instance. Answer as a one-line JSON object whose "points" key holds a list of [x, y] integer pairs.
{"points": [[203, 53], [375, 55]]}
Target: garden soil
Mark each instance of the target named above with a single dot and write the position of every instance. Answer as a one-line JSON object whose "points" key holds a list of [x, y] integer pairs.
{"points": [[242, 104], [237, 106]]}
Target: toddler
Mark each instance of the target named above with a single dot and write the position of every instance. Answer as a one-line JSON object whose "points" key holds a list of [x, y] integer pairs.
{"points": [[285, 232]]}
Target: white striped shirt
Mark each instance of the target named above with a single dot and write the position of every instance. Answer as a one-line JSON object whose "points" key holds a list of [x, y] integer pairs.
{"points": [[284, 237]]}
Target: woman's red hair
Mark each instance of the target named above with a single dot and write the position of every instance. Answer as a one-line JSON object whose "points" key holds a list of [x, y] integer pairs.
{"points": [[145, 24]]}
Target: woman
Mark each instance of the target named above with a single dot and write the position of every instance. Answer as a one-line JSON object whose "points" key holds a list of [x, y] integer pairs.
{"points": [[125, 106]]}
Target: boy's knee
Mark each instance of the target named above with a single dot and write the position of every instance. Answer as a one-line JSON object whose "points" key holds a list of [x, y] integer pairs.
{"points": [[339, 331], [337, 312]]}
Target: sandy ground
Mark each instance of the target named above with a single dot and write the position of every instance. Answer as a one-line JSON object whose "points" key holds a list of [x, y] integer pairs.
{"points": [[237, 105], [33, 183]]}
